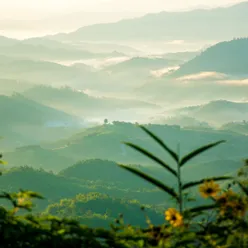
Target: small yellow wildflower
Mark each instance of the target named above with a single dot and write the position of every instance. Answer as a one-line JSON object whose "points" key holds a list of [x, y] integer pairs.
{"points": [[174, 217], [240, 207], [231, 203], [209, 189]]}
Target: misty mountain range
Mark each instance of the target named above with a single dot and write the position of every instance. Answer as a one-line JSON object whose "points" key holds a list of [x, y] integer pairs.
{"points": [[210, 24]]}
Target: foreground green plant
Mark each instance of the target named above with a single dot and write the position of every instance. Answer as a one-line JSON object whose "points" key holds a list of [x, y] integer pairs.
{"points": [[221, 220], [221, 223]]}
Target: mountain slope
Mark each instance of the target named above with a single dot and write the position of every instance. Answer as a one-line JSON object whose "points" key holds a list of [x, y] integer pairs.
{"points": [[45, 72], [89, 208], [17, 109], [215, 24], [4, 41], [24, 122], [47, 49], [238, 127], [38, 157], [78, 103], [142, 63], [226, 57], [105, 142], [218, 111], [108, 171]]}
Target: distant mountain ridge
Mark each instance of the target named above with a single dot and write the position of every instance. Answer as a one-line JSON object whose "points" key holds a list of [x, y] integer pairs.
{"points": [[221, 111], [198, 24], [47, 49], [143, 63], [77, 102], [228, 57]]}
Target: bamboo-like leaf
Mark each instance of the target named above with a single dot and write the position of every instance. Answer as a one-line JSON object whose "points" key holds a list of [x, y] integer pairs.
{"points": [[3, 162], [152, 180], [192, 184], [199, 151], [161, 143], [151, 156], [201, 208], [245, 189]]}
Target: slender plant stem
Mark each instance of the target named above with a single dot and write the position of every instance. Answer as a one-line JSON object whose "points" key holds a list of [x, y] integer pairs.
{"points": [[179, 183]]}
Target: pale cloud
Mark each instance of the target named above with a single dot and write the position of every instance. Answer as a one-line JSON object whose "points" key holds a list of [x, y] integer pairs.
{"points": [[236, 82], [161, 72], [175, 42], [203, 76]]}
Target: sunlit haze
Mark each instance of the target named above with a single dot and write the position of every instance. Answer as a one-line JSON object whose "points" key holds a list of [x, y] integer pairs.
{"points": [[49, 16]]}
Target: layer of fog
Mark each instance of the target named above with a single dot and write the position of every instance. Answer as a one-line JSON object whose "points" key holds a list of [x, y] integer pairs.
{"points": [[97, 63]]}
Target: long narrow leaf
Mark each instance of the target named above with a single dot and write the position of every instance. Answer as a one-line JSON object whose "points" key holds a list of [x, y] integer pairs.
{"points": [[151, 156], [245, 189], [201, 208], [152, 180], [199, 151], [161, 143], [192, 184]]}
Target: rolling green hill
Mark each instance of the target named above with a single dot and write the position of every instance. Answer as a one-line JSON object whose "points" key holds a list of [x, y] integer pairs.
{"points": [[38, 157], [108, 171], [56, 187], [104, 142], [17, 109], [78, 103], [96, 209], [26, 122]]}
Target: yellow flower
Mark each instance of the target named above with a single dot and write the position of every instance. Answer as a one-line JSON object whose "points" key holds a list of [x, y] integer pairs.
{"points": [[174, 217], [239, 207], [209, 189], [226, 202], [231, 203]]}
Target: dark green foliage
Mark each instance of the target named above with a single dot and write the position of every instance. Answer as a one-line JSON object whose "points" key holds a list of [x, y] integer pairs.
{"points": [[88, 208], [46, 230], [56, 187], [31, 231]]}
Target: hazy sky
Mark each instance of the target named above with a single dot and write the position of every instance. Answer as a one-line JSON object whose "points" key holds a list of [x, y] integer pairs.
{"points": [[53, 16], [29, 9]]}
